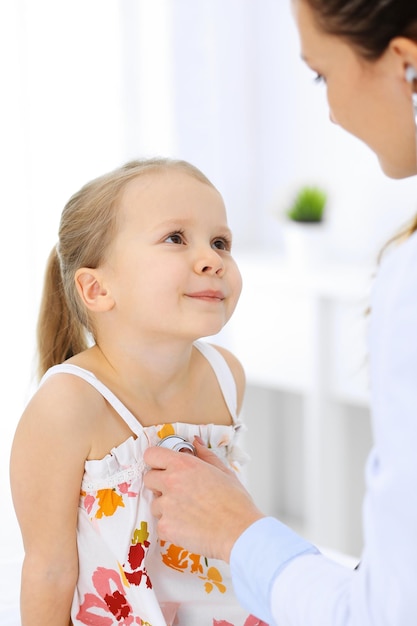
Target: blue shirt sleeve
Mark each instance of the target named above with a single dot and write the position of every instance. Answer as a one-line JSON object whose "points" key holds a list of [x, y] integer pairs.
{"points": [[257, 558]]}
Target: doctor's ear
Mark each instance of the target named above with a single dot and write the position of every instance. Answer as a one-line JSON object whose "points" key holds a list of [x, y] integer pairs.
{"points": [[93, 293], [403, 52]]}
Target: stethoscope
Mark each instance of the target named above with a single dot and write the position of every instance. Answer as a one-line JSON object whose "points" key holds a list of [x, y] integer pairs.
{"points": [[411, 76], [178, 444]]}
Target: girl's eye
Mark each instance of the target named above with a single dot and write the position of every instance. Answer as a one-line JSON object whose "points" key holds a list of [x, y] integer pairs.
{"points": [[177, 238], [222, 244], [319, 78]]}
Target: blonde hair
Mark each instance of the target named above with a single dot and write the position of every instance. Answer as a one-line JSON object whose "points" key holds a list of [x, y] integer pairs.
{"points": [[88, 225]]}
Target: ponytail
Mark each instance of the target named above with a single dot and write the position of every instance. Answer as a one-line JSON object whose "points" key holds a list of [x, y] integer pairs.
{"points": [[60, 335]]}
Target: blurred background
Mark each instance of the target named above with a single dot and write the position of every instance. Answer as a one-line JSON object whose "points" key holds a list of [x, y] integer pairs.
{"points": [[87, 86]]}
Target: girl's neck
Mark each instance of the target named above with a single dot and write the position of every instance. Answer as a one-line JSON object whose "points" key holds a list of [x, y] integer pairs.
{"points": [[148, 372]]}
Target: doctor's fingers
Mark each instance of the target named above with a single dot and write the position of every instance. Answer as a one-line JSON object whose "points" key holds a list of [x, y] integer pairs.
{"points": [[209, 457], [168, 471]]}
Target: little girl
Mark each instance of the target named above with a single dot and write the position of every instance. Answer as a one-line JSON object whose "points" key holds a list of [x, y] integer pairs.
{"points": [[142, 270]]}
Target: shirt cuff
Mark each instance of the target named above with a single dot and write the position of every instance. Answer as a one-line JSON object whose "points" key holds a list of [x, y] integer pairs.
{"points": [[257, 558]]}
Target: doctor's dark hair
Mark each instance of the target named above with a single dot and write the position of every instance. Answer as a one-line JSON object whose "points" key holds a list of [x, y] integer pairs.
{"points": [[368, 25], [87, 228]]}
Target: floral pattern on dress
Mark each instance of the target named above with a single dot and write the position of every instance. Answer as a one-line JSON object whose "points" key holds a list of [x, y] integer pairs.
{"points": [[166, 430], [109, 604], [104, 503], [134, 569], [251, 621], [110, 586], [183, 561]]}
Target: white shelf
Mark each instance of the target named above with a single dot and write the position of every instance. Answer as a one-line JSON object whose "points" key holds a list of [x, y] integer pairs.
{"points": [[293, 326]]}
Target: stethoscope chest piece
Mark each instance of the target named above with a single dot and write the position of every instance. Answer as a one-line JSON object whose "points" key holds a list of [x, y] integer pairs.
{"points": [[177, 443]]}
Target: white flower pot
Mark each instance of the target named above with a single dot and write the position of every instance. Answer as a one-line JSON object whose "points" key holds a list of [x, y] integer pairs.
{"points": [[305, 243]]}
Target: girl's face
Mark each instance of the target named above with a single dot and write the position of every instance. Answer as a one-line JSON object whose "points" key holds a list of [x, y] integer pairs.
{"points": [[369, 99], [170, 268]]}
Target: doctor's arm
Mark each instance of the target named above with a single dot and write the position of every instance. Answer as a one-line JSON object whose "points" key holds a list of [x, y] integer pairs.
{"points": [[277, 575]]}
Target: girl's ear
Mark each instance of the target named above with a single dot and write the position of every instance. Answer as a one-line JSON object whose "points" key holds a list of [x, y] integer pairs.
{"points": [[92, 291]]}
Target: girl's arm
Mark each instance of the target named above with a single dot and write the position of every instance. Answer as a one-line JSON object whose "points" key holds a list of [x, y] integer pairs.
{"points": [[47, 463]]}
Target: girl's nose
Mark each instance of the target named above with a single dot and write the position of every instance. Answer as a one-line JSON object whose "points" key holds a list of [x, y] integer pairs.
{"points": [[210, 263]]}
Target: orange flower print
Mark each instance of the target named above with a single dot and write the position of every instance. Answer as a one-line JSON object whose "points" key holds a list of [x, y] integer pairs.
{"points": [[179, 559], [167, 429], [108, 501], [213, 578]]}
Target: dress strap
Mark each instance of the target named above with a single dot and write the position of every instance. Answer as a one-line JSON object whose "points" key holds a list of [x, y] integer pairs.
{"points": [[220, 367], [224, 375], [119, 407]]}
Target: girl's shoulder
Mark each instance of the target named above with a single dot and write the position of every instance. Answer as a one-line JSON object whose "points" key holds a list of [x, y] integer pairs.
{"points": [[65, 403]]}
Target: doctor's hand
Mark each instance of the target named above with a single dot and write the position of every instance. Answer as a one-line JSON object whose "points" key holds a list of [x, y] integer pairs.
{"points": [[199, 503]]}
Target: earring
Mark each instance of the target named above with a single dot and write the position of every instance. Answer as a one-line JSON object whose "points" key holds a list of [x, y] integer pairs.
{"points": [[410, 74], [410, 77]]}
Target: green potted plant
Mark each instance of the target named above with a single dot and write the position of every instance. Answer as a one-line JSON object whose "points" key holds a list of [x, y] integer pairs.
{"points": [[308, 206]]}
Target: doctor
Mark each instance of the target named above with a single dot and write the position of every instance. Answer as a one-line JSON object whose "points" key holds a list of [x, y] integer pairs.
{"points": [[365, 51]]}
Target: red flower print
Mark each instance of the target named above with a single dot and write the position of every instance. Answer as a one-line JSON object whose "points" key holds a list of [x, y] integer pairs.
{"points": [[88, 502], [135, 560], [124, 488], [251, 621], [137, 554], [110, 600], [254, 621], [118, 605], [135, 569]]}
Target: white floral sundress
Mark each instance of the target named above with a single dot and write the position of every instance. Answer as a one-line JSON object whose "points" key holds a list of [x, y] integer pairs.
{"points": [[126, 575]]}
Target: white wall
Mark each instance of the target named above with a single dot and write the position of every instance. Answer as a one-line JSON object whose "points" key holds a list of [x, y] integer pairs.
{"points": [[61, 122], [246, 110]]}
